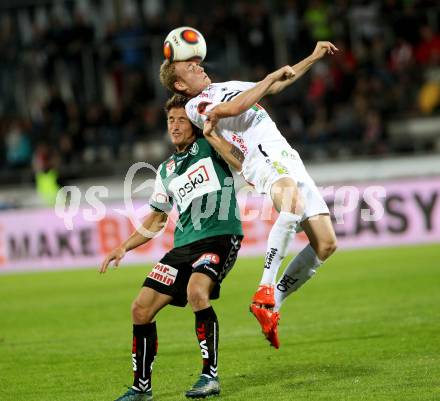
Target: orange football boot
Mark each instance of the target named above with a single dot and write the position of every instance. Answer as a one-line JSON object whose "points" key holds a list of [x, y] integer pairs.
{"points": [[261, 307], [263, 316], [272, 337], [265, 296]]}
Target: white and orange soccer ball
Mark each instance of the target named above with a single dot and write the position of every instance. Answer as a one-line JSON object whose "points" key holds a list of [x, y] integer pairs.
{"points": [[183, 44]]}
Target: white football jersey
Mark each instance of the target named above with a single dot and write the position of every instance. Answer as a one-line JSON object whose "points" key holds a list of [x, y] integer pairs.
{"points": [[246, 131]]}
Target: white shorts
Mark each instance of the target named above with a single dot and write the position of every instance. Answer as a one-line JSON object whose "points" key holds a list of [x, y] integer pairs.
{"points": [[268, 162]]}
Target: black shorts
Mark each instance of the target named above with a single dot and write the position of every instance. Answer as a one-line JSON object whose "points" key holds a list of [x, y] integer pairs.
{"points": [[213, 256]]}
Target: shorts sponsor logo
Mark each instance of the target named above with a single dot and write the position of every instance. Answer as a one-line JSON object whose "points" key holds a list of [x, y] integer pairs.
{"points": [[279, 167], [207, 258], [269, 257], [163, 274]]}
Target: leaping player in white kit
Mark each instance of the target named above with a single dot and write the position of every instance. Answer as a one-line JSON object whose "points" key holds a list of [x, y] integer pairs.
{"points": [[271, 165]]}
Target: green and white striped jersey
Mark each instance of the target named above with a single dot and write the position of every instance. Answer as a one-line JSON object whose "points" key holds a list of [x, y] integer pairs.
{"points": [[200, 183]]}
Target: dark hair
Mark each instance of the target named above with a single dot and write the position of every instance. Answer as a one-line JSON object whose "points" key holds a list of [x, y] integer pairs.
{"points": [[175, 102]]}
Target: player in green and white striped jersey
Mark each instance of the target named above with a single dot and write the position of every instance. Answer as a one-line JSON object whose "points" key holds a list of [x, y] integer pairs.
{"points": [[207, 238]]}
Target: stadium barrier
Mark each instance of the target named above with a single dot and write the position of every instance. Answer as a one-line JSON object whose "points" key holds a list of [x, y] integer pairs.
{"points": [[383, 213]]}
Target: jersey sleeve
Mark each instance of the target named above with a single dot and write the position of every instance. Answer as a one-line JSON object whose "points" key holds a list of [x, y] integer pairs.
{"points": [[244, 86], [160, 200], [196, 110]]}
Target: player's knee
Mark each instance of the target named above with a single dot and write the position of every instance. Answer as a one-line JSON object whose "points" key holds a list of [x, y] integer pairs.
{"points": [[284, 194], [288, 221], [326, 248], [141, 314], [198, 297]]}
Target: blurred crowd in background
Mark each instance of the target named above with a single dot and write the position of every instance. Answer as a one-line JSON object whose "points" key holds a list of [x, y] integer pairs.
{"points": [[79, 85]]}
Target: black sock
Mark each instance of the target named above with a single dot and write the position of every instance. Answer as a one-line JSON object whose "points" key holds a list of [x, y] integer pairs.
{"points": [[207, 335], [143, 354]]}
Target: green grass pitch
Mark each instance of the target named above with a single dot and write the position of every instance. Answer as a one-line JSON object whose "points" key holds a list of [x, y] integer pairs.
{"points": [[367, 327]]}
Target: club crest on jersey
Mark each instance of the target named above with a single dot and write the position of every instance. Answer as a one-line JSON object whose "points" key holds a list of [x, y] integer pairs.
{"points": [[194, 149], [170, 167], [163, 274], [201, 107], [207, 258]]}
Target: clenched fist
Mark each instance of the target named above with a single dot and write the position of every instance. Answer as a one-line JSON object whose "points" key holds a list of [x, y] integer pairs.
{"points": [[282, 74]]}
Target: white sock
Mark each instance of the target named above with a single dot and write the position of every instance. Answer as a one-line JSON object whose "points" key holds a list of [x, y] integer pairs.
{"points": [[298, 271], [280, 236]]}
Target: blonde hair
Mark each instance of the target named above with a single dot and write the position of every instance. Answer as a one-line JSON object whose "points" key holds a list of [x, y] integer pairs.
{"points": [[168, 77]]}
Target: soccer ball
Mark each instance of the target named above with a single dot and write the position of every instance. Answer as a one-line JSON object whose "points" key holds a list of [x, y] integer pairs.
{"points": [[183, 44]]}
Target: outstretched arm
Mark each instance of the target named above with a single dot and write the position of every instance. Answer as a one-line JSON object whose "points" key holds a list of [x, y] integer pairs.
{"points": [[230, 153], [153, 223], [272, 84], [303, 66], [245, 100]]}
